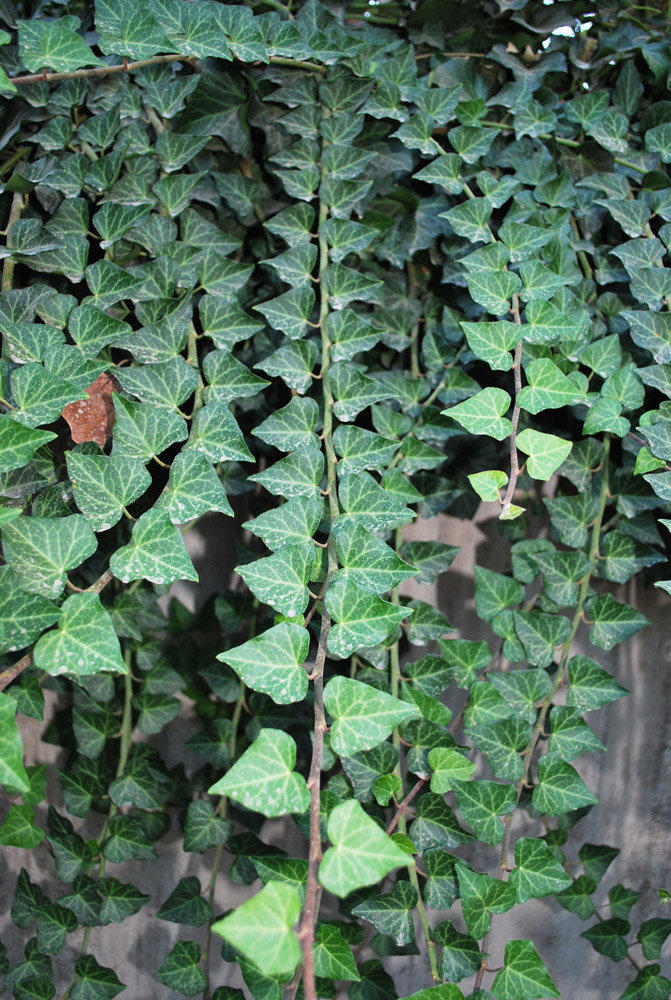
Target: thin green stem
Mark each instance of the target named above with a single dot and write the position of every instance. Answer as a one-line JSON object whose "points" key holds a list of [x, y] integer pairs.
{"points": [[400, 818], [306, 932], [528, 751]]}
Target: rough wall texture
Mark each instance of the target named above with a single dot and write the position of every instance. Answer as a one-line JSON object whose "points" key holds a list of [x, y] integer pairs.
{"points": [[631, 781]]}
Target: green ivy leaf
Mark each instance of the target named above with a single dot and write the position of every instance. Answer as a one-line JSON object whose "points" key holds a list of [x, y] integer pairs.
{"points": [[607, 937], [333, 956], [523, 976], [493, 342], [281, 579], [362, 853], [545, 452], [54, 45], [361, 619], [273, 662], [22, 616], [613, 622], [482, 895], [263, 779], [119, 900], [481, 803], [95, 981], [181, 970], [156, 552], [18, 829], [362, 716], [193, 488], [570, 736], [41, 550], [449, 768], [185, 905], [560, 788], [483, 413], [104, 485], [538, 873], [261, 929], [391, 913], [460, 954]]}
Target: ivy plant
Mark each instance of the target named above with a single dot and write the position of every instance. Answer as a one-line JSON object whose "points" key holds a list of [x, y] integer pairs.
{"points": [[324, 269]]}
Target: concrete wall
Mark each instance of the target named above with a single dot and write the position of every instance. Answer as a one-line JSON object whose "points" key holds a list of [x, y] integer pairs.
{"points": [[631, 781]]}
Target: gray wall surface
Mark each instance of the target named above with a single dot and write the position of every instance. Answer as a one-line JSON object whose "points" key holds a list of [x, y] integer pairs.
{"points": [[631, 782]]}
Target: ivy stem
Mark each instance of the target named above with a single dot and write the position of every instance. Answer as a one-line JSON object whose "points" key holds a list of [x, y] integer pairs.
{"points": [[98, 70], [515, 419], [14, 216], [306, 932], [400, 817], [528, 751], [219, 850], [124, 750]]}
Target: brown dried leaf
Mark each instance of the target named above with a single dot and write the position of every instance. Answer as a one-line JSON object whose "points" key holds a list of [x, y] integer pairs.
{"points": [[92, 419]]}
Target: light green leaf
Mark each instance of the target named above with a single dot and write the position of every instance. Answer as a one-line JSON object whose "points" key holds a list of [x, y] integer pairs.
{"points": [[362, 853], [273, 662], [261, 929], [85, 642], [12, 772], [361, 618], [362, 715], [483, 413], [156, 552], [487, 484], [41, 550], [449, 766], [523, 976], [264, 780], [546, 452], [548, 388]]}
